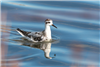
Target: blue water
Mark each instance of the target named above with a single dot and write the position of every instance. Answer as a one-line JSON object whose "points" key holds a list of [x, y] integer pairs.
{"points": [[76, 40]]}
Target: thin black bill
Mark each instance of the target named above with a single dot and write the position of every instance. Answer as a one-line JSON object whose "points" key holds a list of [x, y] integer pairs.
{"points": [[54, 26]]}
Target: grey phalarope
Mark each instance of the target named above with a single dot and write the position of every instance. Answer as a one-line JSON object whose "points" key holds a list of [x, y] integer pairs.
{"points": [[45, 35]]}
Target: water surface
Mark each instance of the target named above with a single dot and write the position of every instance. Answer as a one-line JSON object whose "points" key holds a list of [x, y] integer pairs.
{"points": [[77, 36]]}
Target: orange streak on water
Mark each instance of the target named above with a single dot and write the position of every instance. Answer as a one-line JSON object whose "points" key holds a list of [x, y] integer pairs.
{"points": [[4, 47]]}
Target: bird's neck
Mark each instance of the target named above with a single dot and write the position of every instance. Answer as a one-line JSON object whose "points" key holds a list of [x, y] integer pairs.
{"points": [[48, 31]]}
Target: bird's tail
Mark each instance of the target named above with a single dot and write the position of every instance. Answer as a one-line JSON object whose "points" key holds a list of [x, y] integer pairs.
{"points": [[21, 32]]}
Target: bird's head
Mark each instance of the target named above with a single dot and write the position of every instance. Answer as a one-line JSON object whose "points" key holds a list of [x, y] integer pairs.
{"points": [[49, 22]]}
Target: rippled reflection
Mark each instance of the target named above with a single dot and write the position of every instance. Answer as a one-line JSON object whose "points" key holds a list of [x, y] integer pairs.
{"points": [[45, 46]]}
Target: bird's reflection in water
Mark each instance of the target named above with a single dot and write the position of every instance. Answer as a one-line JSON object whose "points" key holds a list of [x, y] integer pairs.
{"points": [[45, 46]]}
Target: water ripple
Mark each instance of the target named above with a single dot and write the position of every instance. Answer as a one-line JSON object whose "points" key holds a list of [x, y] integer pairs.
{"points": [[77, 21]]}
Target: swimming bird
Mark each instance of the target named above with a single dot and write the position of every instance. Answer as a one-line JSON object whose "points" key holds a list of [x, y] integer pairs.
{"points": [[42, 36]]}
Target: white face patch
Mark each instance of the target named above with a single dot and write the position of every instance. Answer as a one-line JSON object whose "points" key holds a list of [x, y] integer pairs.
{"points": [[49, 22]]}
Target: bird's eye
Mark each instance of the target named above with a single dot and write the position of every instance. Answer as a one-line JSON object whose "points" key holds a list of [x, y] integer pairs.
{"points": [[48, 22]]}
